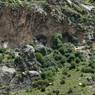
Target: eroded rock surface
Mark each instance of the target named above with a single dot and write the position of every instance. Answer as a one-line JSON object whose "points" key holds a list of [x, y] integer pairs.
{"points": [[20, 25], [22, 72]]}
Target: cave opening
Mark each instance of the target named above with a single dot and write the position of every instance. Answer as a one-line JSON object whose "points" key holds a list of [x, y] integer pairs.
{"points": [[42, 39]]}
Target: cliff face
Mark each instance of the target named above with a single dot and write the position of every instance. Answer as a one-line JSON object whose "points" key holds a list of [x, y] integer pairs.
{"points": [[14, 26], [20, 25]]}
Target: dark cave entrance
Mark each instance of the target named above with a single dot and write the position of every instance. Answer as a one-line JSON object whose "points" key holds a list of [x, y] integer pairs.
{"points": [[42, 39]]}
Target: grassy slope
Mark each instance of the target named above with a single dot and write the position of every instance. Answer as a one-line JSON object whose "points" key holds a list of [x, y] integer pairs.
{"points": [[70, 82]]}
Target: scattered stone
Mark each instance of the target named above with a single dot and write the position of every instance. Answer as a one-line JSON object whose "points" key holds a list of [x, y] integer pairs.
{"points": [[87, 7], [8, 70], [34, 73], [80, 84]]}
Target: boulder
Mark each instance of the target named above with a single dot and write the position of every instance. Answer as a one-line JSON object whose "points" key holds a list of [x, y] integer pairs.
{"points": [[8, 70], [6, 74], [28, 48], [87, 7], [20, 83], [34, 73]]}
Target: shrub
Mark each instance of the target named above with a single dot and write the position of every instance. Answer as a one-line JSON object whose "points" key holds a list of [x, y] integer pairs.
{"points": [[69, 75], [78, 55], [19, 76], [87, 70], [78, 60], [93, 77], [57, 56], [65, 72], [43, 89], [42, 50], [8, 58], [61, 50], [49, 93], [68, 47], [1, 57], [40, 84], [12, 2], [57, 40], [72, 66], [49, 74], [62, 81], [2, 50], [56, 92], [43, 76], [39, 57], [70, 58], [49, 61], [70, 91]]}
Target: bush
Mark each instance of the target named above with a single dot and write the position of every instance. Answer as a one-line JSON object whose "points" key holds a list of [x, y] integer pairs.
{"points": [[42, 50], [61, 50], [49, 61], [65, 72], [39, 57], [1, 57], [73, 66], [41, 84], [79, 55], [66, 49], [49, 74], [8, 58], [62, 81], [49, 93], [2, 50], [62, 61], [77, 60], [93, 77], [57, 40], [87, 70], [92, 64], [70, 58], [70, 91], [57, 56], [43, 76], [43, 89], [56, 92], [13, 2]]}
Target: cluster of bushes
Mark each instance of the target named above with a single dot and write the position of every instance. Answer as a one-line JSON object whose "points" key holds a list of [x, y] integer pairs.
{"points": [[87, 69], [11, 2], [6, 56], [16, 3], [62, 54], [41, 84], [90, 66]]}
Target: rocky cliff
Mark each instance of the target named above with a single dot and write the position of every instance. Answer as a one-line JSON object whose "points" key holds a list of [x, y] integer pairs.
{"points": [[19, 25]]}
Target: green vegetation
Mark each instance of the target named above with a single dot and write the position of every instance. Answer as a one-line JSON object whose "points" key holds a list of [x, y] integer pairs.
{"points": [[6, 56], [64, 72], [73, 84], [23, 3]]}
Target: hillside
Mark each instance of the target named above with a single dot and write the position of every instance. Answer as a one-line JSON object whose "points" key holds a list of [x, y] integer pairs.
{"points": [[47, 47]]}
